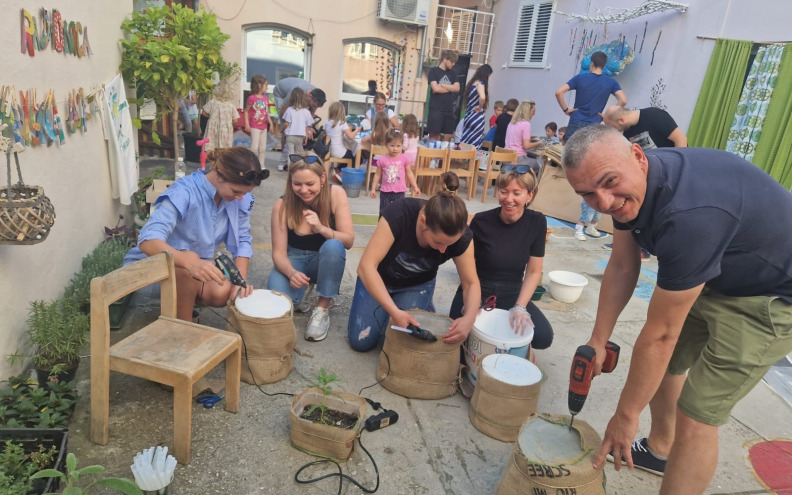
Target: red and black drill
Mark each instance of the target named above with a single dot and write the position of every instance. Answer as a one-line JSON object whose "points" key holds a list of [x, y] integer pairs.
{"points": [[582, 373]]}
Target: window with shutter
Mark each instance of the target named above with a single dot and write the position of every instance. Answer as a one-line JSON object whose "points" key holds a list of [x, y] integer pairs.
{"points": [[532, 38]]}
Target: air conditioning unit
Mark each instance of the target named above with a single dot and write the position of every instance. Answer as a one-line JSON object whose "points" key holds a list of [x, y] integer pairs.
{"points": [[404, 11]]}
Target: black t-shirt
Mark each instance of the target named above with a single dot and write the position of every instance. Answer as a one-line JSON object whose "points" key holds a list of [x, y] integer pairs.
{"points": [[652, 130], [407, 263], [712, 217], [501, 124], [502, 249], [442, 102]]}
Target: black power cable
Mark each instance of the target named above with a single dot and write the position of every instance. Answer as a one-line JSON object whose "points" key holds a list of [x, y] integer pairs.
{"points": [[340, 474]]}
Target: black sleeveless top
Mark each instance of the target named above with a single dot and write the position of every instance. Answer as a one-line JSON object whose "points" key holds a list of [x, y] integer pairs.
{"points": [[309, 242]]}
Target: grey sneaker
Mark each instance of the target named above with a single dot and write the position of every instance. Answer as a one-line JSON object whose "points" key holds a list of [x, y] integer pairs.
{"points": [[579, 235], [318, 325], [304, 305]]}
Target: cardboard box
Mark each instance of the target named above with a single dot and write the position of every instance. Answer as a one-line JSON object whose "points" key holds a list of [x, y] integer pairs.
{"points": [[153, 192]]}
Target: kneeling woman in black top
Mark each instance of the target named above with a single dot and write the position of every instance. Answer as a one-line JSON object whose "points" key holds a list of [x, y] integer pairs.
{"points": [[508, 241]]}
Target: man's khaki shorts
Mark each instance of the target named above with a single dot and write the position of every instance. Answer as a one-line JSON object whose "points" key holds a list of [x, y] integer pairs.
{"points": [[727, 344]]}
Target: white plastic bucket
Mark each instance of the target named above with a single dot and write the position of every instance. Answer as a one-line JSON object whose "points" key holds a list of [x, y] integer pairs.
{"points": [[492, 334], [263, 303], [566, 286]]}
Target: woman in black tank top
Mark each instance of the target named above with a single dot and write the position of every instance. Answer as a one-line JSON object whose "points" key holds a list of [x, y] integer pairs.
{"points": [[311, 231]]}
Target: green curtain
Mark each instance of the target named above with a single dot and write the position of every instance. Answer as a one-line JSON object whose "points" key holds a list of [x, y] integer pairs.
{"points": [[746, 130], [774, 150], [720, 92]]}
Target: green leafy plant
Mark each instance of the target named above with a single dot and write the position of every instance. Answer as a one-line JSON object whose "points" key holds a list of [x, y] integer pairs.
{"points": [[169, 51], [23, 405], [139, 197], [82, 481], [15, 470], [56, 332], [323, 381]]}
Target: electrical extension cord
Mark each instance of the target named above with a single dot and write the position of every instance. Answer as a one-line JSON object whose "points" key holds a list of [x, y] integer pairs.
{"points": [[381, 420]]}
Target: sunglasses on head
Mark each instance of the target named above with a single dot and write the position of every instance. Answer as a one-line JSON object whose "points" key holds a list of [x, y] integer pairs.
{"points": [[307, 158], [520, 169], [252, 175]]}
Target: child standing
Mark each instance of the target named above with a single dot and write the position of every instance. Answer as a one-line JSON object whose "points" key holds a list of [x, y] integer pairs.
{"points": [[222, 115], [257, 117], [410, 131], [497, 110], [394, 171], [337, 128], [296, 121]]}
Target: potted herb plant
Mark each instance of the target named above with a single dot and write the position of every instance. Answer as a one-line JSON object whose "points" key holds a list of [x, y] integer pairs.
{"points": [[168, 51], [56, 332], [324, 422]]}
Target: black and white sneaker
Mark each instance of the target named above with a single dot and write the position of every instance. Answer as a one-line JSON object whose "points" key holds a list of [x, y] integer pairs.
{"points": [[644, 458]]}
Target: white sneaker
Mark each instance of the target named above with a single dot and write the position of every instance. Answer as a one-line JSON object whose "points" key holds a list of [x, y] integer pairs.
{"points": [[592, 231], [318, 325], [579, 235], [305, 305]]}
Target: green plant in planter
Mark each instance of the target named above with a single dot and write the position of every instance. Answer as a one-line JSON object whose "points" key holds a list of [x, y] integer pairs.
{"points": [[81, 481], [24, 405], [139, 196], [15, 470], [56, 332], [323, 381], [105, 258], [169, 51]]}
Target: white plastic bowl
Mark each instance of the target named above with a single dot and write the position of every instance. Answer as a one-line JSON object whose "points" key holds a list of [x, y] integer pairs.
{"points": [[566, 286]]}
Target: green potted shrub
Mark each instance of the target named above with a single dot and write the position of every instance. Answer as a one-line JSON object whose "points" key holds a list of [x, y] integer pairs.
{"points": [[169, 51], [56, 332], [325, 422]]}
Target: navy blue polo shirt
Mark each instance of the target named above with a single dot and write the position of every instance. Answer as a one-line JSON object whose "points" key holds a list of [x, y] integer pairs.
{"points": [[713, 218]]}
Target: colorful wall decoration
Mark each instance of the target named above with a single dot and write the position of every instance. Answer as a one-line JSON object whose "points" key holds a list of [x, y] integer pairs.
{"points": [[47, 30]]}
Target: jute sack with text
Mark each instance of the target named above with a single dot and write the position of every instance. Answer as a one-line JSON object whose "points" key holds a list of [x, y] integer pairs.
{"points": [[499, 409], [417, 369], [549, 459], [267, 347], [323, 440]]}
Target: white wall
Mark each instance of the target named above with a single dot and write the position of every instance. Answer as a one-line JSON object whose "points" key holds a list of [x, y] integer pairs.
{"points": [[681, 58], [74, 176]]}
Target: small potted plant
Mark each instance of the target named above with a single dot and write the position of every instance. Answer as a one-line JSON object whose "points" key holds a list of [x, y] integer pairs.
{"points": [[105, 258], [56, 332], [324, 422]]}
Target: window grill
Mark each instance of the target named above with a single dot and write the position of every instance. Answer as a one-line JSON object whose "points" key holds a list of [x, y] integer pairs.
{"points": [[466, 31]]}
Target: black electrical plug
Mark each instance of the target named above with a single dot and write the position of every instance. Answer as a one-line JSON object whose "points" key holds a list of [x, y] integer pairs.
{"points": [[374, 405], [381, 420]]}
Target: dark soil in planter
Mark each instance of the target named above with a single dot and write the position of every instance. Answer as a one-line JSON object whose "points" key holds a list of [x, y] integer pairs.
{"points": [[332, 417]]}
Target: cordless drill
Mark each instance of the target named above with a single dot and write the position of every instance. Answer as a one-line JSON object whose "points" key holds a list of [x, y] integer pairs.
{"points": [[230, 270], [582, 373]]}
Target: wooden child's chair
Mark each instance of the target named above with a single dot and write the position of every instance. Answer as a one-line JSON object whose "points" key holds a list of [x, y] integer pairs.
{"points": [[168, 351]]}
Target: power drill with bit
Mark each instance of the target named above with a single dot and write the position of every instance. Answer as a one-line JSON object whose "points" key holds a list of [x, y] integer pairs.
{"points": [[582, 373]]}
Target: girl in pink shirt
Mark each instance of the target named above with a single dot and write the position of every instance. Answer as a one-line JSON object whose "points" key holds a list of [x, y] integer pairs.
{"points": [[394, 171], [410, 130], [518, 134]]}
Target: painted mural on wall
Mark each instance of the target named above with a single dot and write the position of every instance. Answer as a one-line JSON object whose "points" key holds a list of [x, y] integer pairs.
{"points": [[50, 30], [619, 53]]}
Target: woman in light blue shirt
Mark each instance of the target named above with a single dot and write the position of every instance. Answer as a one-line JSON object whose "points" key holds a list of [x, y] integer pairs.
{"points": [[194, 216]]}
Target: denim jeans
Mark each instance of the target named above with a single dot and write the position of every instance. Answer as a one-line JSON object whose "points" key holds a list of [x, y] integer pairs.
{"points": [[367, 319], [324, 267], [588, 214], [573, 126]]}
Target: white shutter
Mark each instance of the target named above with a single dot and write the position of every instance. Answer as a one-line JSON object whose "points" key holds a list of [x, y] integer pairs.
{"points": [[462, 25], [532, 37]]}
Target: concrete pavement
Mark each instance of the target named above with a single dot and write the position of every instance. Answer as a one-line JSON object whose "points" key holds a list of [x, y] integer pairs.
{"points": [[433, 449]]}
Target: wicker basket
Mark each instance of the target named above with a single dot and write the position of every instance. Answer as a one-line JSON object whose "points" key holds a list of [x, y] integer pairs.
{"points": [[26, 214]]}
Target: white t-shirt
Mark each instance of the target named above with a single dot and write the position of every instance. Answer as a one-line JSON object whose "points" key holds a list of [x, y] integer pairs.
{"points": [[372, 112], [298, 121], [336, 133]]}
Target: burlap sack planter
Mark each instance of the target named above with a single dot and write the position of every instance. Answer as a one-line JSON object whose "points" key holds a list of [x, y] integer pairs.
{"points": [[323, 440], [268, 345], [499, 409], [417, 369], [549, 459]]}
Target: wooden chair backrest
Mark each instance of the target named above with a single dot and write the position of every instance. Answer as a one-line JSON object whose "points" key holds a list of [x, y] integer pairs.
{"points": [[127, 279], [426, 155], [378, 149], [468, 156], [497, 157]]}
